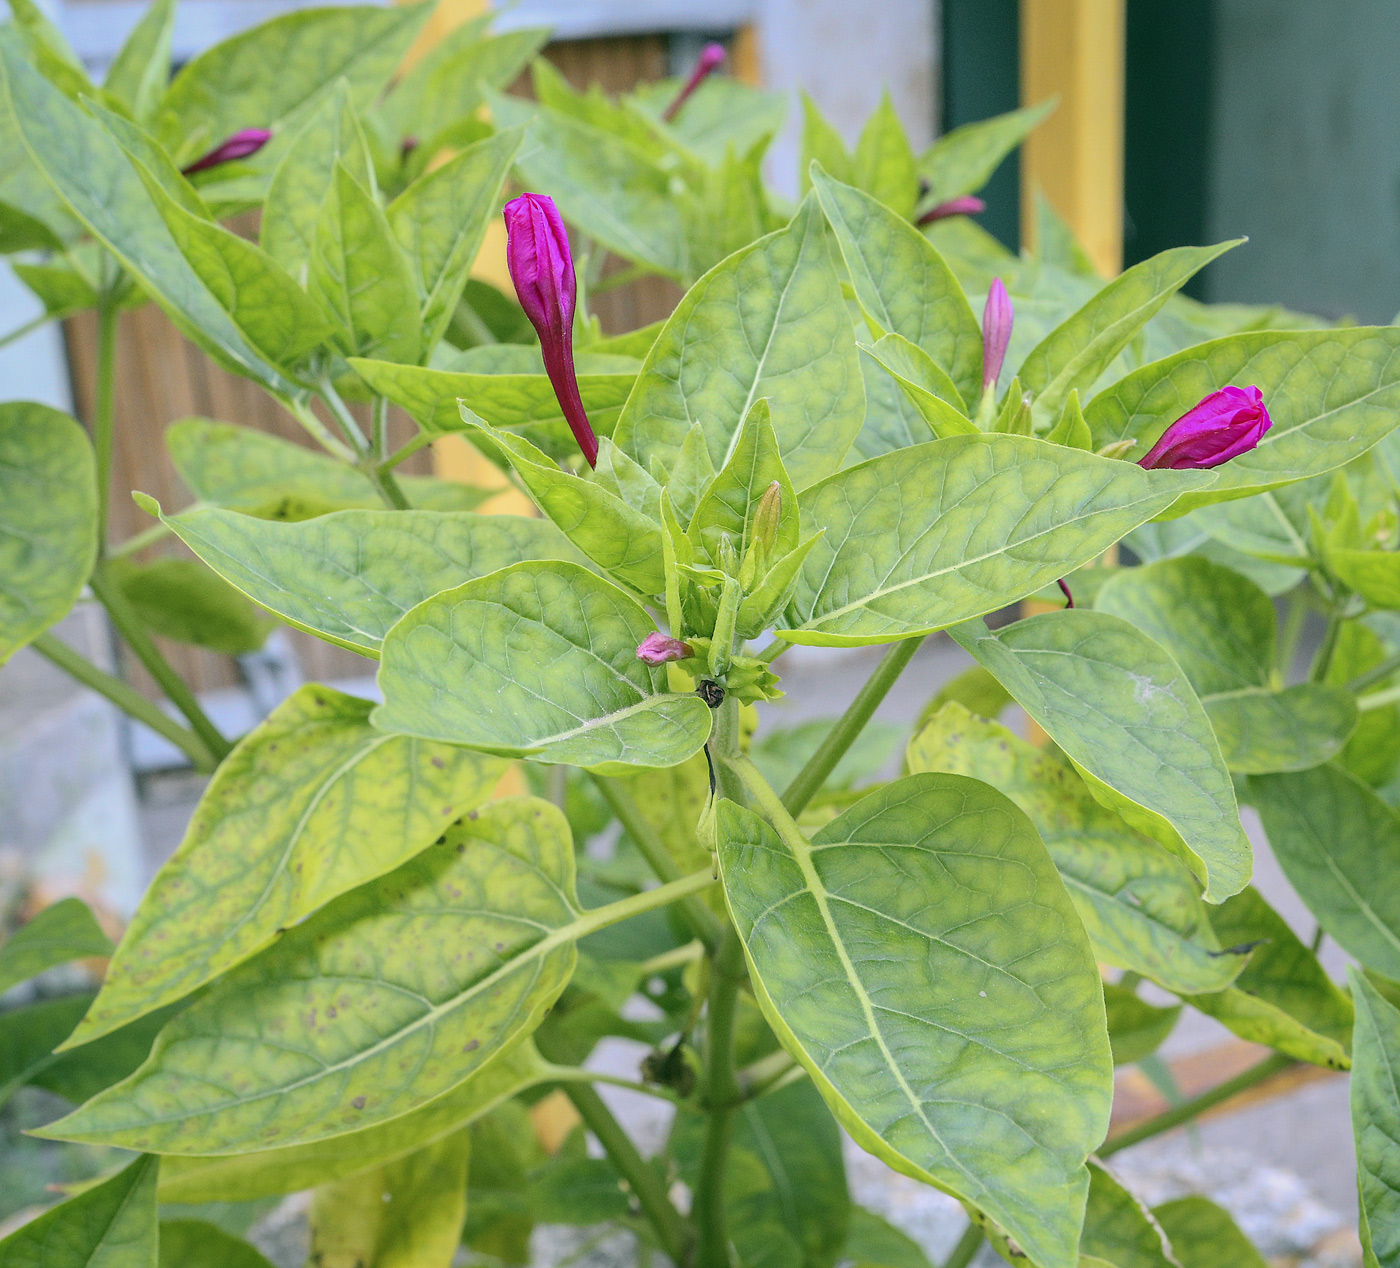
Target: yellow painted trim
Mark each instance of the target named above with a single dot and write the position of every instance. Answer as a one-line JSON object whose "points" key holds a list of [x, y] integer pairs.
{"points": [[1074, 48], [745, 63]]}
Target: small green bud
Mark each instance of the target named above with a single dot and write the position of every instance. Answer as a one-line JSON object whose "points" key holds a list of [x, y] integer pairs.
{"points": [[765, 518], [726, 556]]}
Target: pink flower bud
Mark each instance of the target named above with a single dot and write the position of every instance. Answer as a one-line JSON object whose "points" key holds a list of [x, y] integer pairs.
{"points": [[239, 146], [967, 205], [657, 649], [1227, 423], [537, 253], [997, 319], [711, 59]]}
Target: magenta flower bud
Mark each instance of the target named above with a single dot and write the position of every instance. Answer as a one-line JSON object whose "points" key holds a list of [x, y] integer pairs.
{"points": [[239, 146], [657, 649], [537, 253], [711, 59], [1223, 426], [967, 205], [997, 319]]}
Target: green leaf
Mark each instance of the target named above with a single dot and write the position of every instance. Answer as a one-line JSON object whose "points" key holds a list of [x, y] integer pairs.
{"points": [[729, 503], [406, 1214], [537, 660], [821, 144], [1125, 715], [19, 231], [185, 1243], [577, 1190], [1333, 837], [1220, 628], [504, 400], [302, 180], [882, 955], [293, 818], [270, 1172], [46, 37], [33, 208], [1375, 1118], [767, 322], [277, 73], [672, 799], [440, 221], [928, 536], [928, 389], [1136, 1029], [883, 165], [184, 600], [1140, 906], [729, 210], [112, 1225], [360, 274], [62, 290], [48, 519], [61, 932], [1071, 429], [1284, 998], [1373, 752], [1077, 352], [88, 166], [141, 69], [1202, 1235], [963, 160], [616, 536], [780, 753], [417, 980], [347, 577], [1118, 1228], [242, 469], [1332, 394], [902, 284], [873, 1242], [30, 1033], [1373, 574]]}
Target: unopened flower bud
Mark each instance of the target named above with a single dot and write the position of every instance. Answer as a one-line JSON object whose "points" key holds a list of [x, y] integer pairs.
{"points": [[711, 59], [765, 518], [997, 319], [1224, 425], [967, 205], [542, 269], [658, 649], [240, 145]]}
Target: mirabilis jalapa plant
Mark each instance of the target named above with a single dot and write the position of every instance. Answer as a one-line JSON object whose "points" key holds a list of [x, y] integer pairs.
{"points": [[360, 968]]}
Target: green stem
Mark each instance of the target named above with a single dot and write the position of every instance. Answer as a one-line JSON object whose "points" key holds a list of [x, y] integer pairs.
{"points": [[103, 408], [1378, 699], [968, 1245], [340, 411], [841, 736], [1322, 662], [1377, 674], [319, 432], [767, 1073], [1198, 1105], [647, 1184], [1291, 632], [125, 698], [20, 331], [722, 1096], [596, 918], [702, 921], [381, 430], [421, 441], [577, 1074], [388, 488], [134, 545], [381, 472], [668, 960], [130, 628]]}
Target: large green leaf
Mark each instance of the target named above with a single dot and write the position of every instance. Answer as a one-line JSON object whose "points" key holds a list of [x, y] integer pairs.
{"points": [[441, 219], [1220, 627], [360, 274], [184, 600], [266, 1173], [242, 469], [617, 536], [882, 163], [767, 321], [277, 73], [105, 190], [1332, 394], [381, 1002], [1202, 1235], [141, 69], [1140, 906], [927, 388], [904, 286], [729, 504], [1334, 837], [873, 1242], [922, 960], [184, 1243], [1084, 345], [537, 660], [1118, 1228], [48, 519], [1375, 1119], [1123, 712], [112, 1225], [503, 400], [1373, 574], [34, 215], [1284, 997], [63, 931], [1373, 752], [928, 536], [963, 160], [348, 576], [294, 817]]}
